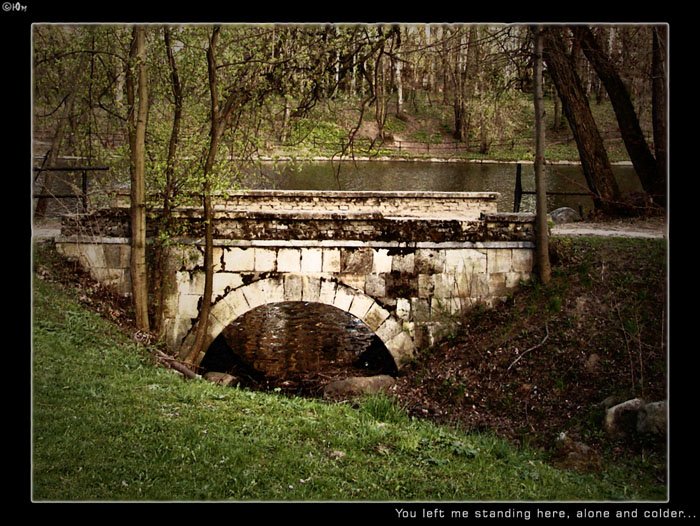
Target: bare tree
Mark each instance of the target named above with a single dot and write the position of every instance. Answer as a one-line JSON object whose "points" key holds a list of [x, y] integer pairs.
{"points": [[640, 154], [165, 219], [138, 114], [594, 157], [658, 102], [544, 269]]}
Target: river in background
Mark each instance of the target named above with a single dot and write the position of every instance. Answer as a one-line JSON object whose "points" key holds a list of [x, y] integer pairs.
{"points": [[442, 177]]}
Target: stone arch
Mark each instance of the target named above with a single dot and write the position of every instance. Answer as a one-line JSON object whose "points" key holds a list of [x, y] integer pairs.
{"points": [[312, 289]]}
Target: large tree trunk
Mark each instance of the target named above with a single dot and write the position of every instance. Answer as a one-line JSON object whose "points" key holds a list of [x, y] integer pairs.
{"points": [[594, 157], [137, 139], [658, 104], [632, 135], [169, 190], [544, 269]]}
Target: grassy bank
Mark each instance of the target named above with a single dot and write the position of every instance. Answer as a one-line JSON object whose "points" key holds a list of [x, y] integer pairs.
{"points": [[109, 425]]}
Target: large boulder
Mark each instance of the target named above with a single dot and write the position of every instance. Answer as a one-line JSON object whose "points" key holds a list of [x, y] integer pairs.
{"points": [[621, 419], [564, 215], [357, 386], [652, 418]]}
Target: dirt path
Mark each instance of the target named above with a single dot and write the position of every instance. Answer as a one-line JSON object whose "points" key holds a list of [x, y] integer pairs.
{"points": [[642, 228]]}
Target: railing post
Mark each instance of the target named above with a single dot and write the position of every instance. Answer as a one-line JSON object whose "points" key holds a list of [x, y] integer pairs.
{"points": [[518, 187]]}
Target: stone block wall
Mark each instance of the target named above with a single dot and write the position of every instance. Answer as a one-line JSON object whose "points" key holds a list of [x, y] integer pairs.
{"points": [[419, 291], [106, 259]]}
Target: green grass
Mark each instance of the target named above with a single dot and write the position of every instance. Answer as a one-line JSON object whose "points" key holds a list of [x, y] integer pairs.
{"points": [[110, 425]]}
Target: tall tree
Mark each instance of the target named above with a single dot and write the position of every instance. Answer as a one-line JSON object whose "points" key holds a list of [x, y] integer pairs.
{"points": [[220, 114], [640, 154], [544, 269], [138, 114], [658, 103], [165, 219], [594, 158], [217, 121]]}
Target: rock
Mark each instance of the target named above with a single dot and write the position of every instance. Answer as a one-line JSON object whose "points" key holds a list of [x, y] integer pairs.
{"points": [[564, 215], [571, 454], [221, 378], [611, 401], [652, 418], [592, 363], [621, 419], [358, 385]]}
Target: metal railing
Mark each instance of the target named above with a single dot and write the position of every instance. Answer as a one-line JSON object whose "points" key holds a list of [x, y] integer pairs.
{"points": [[519, 192], [83, 195]]}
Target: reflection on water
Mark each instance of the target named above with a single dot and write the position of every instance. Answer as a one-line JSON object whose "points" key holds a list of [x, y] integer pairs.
{"points": [[294, 342], [441, 177]]}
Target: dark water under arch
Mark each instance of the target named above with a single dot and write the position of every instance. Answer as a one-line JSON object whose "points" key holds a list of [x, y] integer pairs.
{"points": [[297, 346]]}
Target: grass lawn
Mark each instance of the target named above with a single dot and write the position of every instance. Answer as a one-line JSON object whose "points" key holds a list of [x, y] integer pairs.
{"points": [[107, 424]]}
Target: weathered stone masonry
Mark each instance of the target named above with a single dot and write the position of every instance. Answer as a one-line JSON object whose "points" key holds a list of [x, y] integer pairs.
{"points": [[404, 267]]}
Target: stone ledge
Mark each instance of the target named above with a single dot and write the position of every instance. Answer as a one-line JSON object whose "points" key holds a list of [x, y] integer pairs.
{"points": [[507, 217], [293, 243], [335, 194]]}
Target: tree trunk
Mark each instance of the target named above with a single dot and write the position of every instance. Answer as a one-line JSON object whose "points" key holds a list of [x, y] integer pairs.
{"points": [[445, 65], [216, 130], [594, 157], [632, 135], [137, 140], [165, 223], [399, 87], [659, 109], [544, 269], [430, 64], [557, 111]]}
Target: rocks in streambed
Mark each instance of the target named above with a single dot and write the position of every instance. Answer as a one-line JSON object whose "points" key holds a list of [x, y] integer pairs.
{"points": [[221, 378], [564, 215], [357, 386]]}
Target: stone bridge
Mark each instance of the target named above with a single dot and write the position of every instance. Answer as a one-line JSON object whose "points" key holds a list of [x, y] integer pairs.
{"points": [[405, 263]]}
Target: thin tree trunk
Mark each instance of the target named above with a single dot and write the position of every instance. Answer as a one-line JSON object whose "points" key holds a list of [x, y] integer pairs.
{"points": [[544, 269], [169, 190], [137, 139], [445, 65], [632, 135], [556, 123], [215, 133], [399, 87], [659, 110], [430, 63], [594, 158]]}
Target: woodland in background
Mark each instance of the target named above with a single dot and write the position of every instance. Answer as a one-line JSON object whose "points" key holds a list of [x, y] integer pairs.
{"points": [[181, 113]]}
